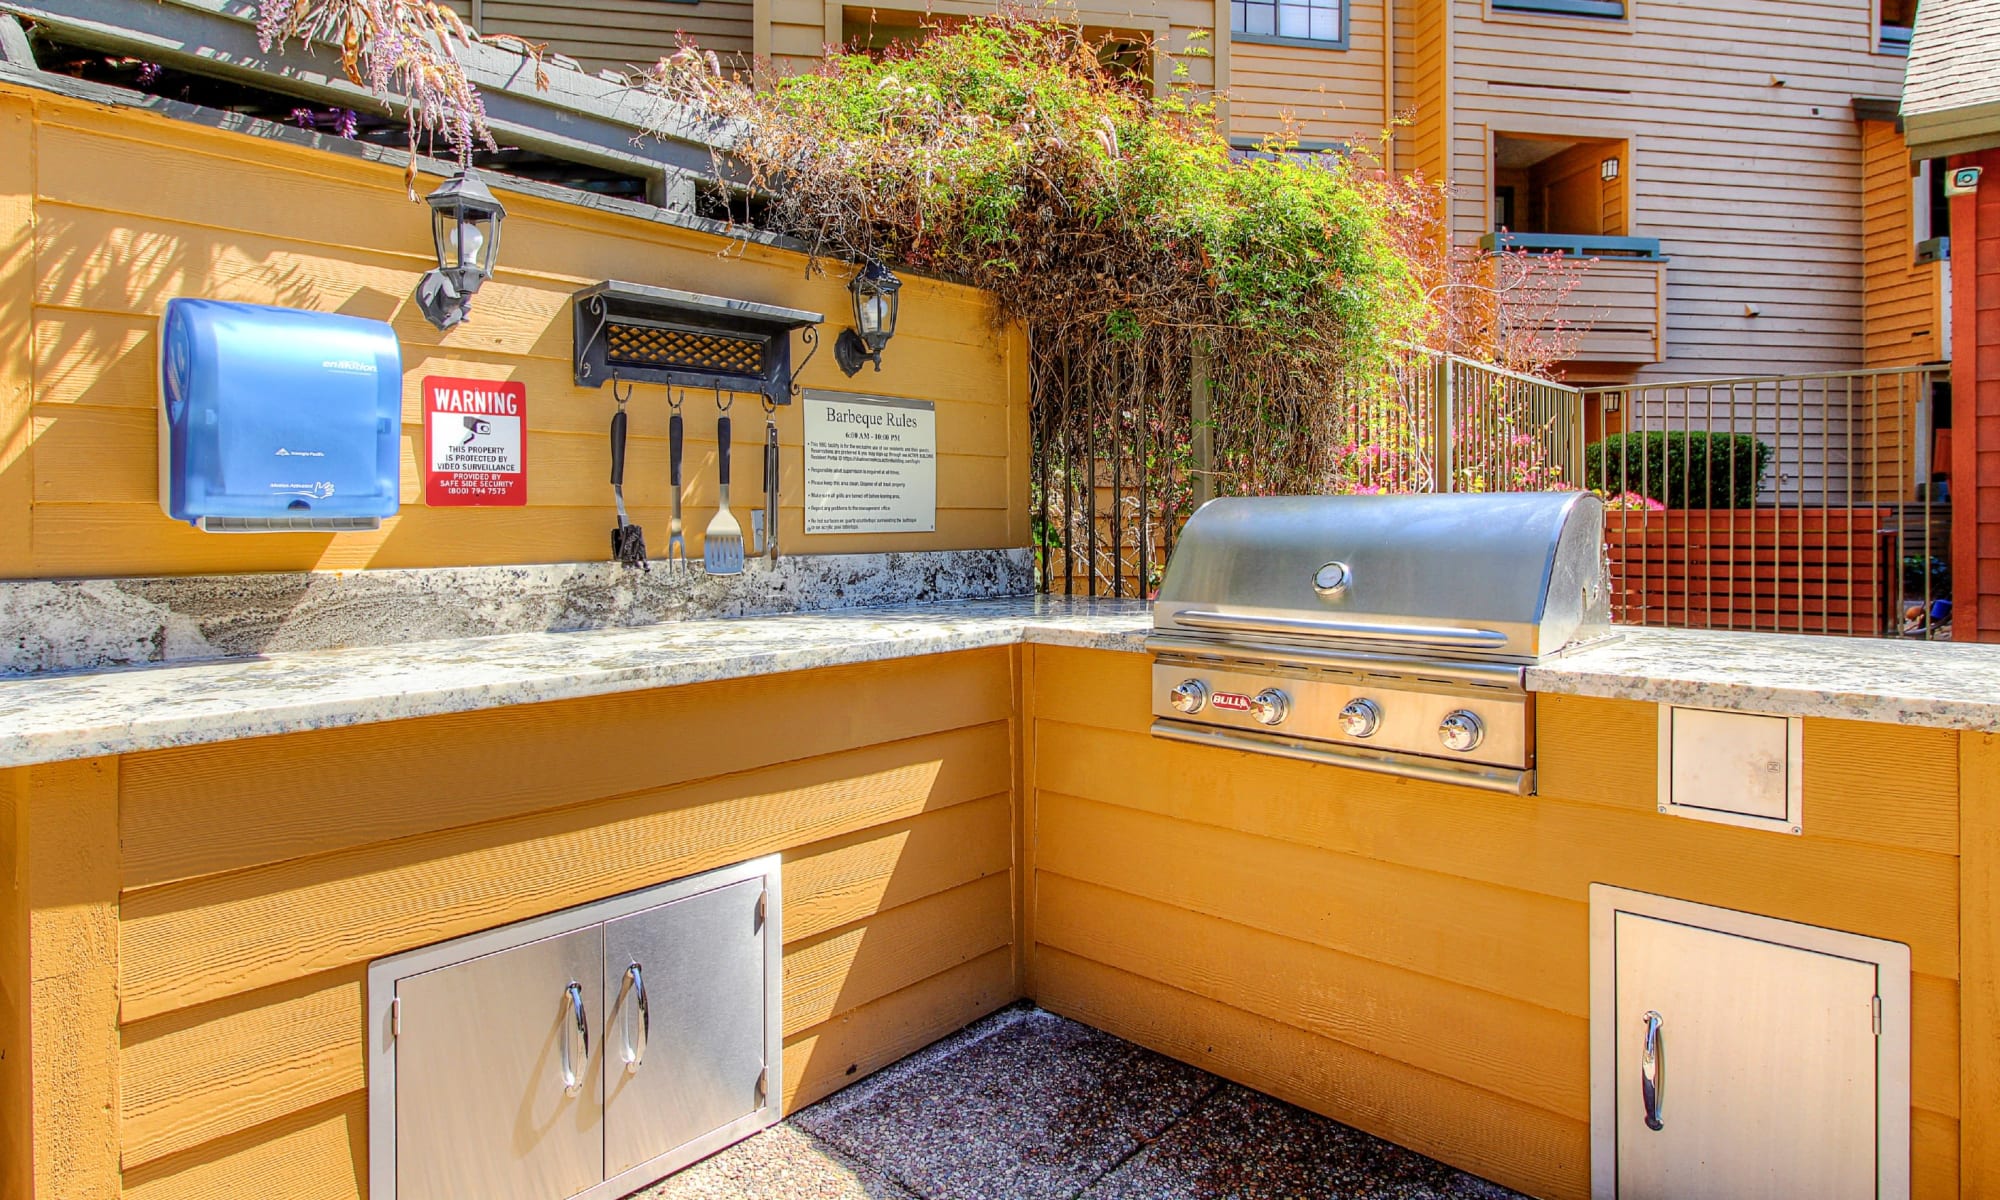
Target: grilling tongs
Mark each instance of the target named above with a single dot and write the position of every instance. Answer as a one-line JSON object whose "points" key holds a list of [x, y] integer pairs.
{"points": [[628, 542]]}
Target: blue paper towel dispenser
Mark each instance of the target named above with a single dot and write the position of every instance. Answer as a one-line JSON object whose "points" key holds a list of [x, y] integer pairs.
{"points": [[276, 420]]}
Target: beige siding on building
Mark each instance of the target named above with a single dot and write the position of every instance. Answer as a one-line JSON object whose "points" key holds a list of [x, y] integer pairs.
{"points": [[1745, 159], [617, 34], [800, 30], [1321, 93], [625, 36]]}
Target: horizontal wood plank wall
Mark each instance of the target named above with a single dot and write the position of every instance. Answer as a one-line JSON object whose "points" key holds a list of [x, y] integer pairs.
{"points": [[1429, 136], [800, 30], [1979, 1008], [17, 307], [1309, 91], [201, 212], [244, 940], [1413, 958], [1402, 23], [625, 36], [1901, 314], [1745, 162], [16, 1078]]}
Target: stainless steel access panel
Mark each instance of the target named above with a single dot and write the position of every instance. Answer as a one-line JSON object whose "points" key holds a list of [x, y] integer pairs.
{"points": [[1738, 1057], [585, 1053]]}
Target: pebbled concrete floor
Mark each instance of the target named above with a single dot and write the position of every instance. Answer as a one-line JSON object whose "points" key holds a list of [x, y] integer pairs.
{"points": [[1026, 1105]]}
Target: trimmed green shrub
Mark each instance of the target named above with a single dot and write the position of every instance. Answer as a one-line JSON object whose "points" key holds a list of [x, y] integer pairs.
{"points": [[1680, 469]]}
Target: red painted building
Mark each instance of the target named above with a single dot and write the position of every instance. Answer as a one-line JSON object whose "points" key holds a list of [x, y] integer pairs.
{"points": [[1951, 112]]}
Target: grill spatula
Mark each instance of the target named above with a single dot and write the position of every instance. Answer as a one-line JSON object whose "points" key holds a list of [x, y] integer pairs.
{"points": [[628, 542], [722, 544]]}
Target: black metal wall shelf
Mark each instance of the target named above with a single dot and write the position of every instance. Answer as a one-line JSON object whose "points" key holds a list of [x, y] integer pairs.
{"points": [[636, 333]]}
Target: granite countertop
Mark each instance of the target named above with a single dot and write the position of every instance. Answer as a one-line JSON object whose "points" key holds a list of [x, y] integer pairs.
{"points": [[82, 715], [1940, 684]]}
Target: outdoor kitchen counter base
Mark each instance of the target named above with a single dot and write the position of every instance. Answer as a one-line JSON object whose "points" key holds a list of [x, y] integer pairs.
{"points": [[83, 715], [970, 809]]}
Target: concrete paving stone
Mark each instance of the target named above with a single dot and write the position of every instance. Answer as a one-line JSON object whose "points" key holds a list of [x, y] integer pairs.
{"points": [[1243, 1145], [780, 1163], [1022, 1106]]}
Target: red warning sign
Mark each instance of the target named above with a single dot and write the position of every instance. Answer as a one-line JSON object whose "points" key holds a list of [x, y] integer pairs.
{"points": [[475, 441]]}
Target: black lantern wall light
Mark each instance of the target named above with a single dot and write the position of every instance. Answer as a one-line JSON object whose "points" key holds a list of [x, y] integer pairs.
{"points": [[465, 231], [874, 291]]}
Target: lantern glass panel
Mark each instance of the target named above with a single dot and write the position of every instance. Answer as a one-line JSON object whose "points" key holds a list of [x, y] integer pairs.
{"points": [[871, 313]]}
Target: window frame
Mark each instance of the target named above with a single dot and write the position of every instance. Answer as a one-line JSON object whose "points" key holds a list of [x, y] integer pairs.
{"points": [[1574, 10], [1344, 8]]}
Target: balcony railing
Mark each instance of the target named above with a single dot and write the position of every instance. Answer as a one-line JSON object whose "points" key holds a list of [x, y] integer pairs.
{"points": [[1575, 245], [1617, 309]]}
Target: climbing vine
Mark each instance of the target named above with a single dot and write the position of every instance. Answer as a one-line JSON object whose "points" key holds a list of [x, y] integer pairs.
{"points": [[1006, 151]]}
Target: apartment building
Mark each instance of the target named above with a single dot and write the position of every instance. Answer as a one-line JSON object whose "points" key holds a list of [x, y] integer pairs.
{"points": [[1733, 166]]}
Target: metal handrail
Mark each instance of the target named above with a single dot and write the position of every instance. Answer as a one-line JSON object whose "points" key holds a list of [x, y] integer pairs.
{"points": [[1744, 380], [1582, 245]]}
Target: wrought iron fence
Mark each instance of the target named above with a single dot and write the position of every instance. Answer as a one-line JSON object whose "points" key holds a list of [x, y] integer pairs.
{"points": [[1129, 439], [1837, 525], [1842, 531]]}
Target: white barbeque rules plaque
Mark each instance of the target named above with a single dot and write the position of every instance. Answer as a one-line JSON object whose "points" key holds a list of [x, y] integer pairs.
{"points": [[871, 464]]}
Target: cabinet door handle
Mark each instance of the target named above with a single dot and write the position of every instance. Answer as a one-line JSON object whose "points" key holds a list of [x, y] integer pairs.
{"points": [[576, 1040], [1653, 1072], [635, 1048]]}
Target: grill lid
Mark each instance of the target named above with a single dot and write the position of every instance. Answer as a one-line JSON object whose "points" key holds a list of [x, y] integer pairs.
{"points": [[1511, 577]]}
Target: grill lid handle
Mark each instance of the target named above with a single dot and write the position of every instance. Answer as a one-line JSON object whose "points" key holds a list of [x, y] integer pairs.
{"points": [[1202, 618]]}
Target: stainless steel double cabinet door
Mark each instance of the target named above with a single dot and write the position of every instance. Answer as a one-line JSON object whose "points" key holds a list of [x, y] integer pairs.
{"points": [[546, 1069]]}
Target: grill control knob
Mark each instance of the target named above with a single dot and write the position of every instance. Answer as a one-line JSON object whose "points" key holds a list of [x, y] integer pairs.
{"points": [[1271, 706], [1190, 697], [1361, 718], [1461, 731]]}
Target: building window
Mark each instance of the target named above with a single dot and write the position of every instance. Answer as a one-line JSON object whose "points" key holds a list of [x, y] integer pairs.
{"points": [[1615, 9], [1310, 153], [1894, 20], [1293, 20]]}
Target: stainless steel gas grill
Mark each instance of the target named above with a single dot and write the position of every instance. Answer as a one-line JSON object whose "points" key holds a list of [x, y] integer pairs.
{"points": [[1389, 633]]}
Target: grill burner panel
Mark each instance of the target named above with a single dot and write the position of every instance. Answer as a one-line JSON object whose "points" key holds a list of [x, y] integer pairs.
{"points": [[1411, 710], [1388, 633]]}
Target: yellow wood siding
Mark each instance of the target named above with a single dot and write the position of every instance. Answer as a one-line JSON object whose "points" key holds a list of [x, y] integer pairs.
{"points": [[1903, 296], [1979, 1017], [1745, 157], [235, 1062], [1413, 958], [1430, 82], [1402, 79], [199, 212]]}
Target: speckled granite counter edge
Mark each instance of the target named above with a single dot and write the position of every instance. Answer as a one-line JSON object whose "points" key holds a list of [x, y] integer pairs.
{"points": [[51, 718], [86, 715], [1934, 684]]}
